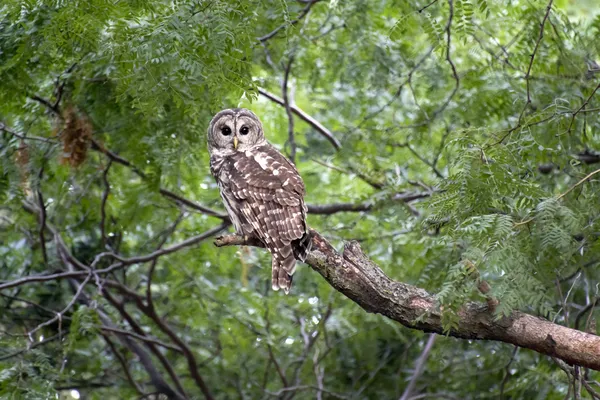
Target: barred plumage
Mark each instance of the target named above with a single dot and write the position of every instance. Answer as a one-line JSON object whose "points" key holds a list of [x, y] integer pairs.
{"points": [[261, 189]]}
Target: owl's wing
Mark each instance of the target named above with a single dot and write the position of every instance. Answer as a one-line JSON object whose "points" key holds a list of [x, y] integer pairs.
{"points": [[270, 192]]}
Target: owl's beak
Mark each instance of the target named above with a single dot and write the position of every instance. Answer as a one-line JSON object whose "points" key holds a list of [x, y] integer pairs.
{"points": [[235, 142]]}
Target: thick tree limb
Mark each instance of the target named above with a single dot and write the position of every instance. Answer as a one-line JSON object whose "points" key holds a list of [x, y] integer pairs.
{"points": [[362, 281]]}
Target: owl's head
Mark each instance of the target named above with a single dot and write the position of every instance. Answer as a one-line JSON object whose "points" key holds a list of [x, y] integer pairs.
{"points": [[235, 129]]}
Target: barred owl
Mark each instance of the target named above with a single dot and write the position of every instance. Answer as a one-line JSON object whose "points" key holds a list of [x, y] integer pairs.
{"points": [[261, 189]]}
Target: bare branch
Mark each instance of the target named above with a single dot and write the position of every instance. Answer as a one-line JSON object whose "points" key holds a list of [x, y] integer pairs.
{"points": [[12, 132], [302, 14], [65, 310], [143, 338], [419, 367], [585, 103], [103, 204], [144, 358], [535, 49], [123, 365], [328, 209], [287, 102], [166, 193], [420, 10], [305, 117]]}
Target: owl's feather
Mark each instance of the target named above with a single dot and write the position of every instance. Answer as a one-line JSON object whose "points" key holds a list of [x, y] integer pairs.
{"points": [[263, 194]]}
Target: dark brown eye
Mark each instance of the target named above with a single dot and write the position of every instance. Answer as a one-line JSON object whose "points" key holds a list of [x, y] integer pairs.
{"points": [[226, 131], [244, 130]]}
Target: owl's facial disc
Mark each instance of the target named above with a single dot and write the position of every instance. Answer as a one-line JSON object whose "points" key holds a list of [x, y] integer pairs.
{"points": [[248, 131], [235, 129]]}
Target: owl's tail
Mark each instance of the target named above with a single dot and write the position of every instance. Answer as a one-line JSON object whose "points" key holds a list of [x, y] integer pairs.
{"points": [[283, 267], [284, 261]]}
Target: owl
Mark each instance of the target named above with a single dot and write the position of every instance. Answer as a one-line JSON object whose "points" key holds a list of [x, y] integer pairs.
{"points": [[261, 189]]}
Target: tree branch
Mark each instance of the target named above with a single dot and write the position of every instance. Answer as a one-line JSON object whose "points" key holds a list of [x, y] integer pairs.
{"points": [[362, 281], [305, 117], [302, 14], [287, 103], [166, 193]]}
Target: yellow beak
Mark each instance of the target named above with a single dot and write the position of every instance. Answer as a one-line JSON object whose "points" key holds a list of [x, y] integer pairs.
{"points": [[235, 142]]}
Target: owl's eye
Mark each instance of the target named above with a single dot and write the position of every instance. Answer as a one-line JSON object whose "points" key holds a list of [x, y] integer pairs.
{"points": [[226, 131], [244, 130]]}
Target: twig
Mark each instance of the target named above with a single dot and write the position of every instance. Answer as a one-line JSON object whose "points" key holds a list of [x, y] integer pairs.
{"points": [[155, 261], [528, 75], [449, 59], [50, 106], [135, 326], [420, 10], [588, 176], [31, 346], [42, 216], [123, 365], [11, 132], [419, 367], [145, 360], [166, 193], [305, 117], [585, 103], [103, 204], [280, 372], [287, 102], [64, 311], [143, 338], [507, 371], [122, 261], [423, 159], [535, 49], [302, 14]]}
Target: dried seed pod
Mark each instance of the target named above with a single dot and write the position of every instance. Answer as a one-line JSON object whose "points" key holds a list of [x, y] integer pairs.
{"points": [[76, 137]]}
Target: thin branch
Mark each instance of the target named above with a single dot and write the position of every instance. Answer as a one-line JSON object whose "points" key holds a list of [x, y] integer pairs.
{"points": [[42, 218], [588, 176], [585, 103], [135, 326], [166, 193], [144, 359], [155, 261], [143, 338], [328, 209], [420, 157], [31, 346], [47, 104], [535, 49], [287, 102], [420, 10], [123, 363], [302, 14], [103, 204], [11, 132], [449, 60], [305, 117], [122, 261], [58, 315], [419, 367]]}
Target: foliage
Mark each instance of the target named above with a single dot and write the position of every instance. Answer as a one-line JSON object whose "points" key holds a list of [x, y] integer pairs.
{"points": [[104, 106]]}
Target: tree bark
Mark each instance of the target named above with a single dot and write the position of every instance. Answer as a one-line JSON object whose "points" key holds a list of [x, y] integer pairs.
{"points": [[358, 278]]}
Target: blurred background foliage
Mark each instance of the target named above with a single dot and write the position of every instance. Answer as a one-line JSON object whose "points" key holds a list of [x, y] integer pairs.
{"points": [[463, 104]]}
